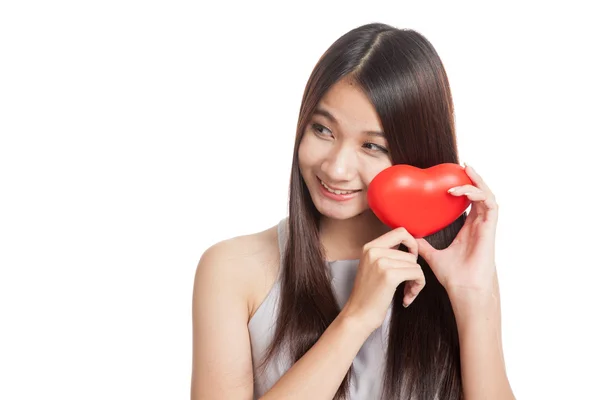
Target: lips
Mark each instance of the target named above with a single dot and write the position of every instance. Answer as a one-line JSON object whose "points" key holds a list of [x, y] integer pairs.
{"points": [[337, 197], [346, 191]]}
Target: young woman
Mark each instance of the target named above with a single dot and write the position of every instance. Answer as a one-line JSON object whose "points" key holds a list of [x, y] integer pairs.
{"points": [[330, 302]]}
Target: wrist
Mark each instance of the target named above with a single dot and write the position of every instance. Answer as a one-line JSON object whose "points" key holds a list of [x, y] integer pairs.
{"points": [[477, 297], [473, 304], [354, 323]]}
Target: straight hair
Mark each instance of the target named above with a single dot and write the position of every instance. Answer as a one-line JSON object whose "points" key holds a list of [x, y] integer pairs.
{"points": [[403, 76]]}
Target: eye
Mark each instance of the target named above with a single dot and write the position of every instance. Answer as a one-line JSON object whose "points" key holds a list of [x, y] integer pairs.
{"points": [[317, 128], [376, 147], [320, 130]]}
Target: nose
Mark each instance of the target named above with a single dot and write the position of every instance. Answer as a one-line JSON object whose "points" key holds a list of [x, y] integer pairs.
{"points": [[340, 164]]}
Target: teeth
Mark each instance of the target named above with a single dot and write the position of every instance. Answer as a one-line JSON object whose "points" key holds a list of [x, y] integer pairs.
{"points": [[334, 191]]}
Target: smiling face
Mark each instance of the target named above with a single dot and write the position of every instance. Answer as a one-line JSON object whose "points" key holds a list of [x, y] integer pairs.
{"points": [[341, 151]]}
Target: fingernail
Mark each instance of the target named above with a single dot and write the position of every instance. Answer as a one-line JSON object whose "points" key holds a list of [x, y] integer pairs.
{"points": [[404, 305], [452, 190]]}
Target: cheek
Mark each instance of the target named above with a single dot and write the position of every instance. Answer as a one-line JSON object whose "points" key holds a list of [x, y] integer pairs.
{"points": [[302, 153], [375, 168], [309, 152]]}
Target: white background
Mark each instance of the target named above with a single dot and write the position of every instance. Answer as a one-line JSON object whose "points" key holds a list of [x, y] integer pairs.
{"points": [[135, 134]]}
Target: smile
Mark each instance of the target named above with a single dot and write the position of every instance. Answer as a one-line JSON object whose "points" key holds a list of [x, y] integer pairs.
{"points": [[330, 190]]}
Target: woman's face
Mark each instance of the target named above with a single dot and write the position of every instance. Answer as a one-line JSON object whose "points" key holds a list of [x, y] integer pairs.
{"points": [[343, 147]]}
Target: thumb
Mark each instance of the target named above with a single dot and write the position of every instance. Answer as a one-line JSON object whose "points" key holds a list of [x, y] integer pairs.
{"points": [[426, 250]]}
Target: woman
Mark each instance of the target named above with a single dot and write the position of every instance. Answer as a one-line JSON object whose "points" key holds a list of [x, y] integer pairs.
{"points": [[331, 303]]}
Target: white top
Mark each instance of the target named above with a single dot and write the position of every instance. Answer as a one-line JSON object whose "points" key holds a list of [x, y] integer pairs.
{"points": [[368, 364]]}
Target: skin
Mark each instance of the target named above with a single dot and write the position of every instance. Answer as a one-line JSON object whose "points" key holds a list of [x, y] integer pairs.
{"points": [[234, 276], [344, 156]]}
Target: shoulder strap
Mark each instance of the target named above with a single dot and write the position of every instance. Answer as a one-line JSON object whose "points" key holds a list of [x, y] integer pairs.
{"points": [[282, 233]]}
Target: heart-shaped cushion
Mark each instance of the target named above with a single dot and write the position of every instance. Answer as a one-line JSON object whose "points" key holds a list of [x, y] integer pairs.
{"points": [[418, 199]]}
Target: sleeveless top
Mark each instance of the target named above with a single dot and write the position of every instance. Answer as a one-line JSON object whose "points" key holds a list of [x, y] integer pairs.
{"points": [[368, 364]]}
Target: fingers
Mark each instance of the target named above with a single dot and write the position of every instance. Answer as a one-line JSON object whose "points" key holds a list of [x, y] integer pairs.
{"points": [[460, 190], [394, 238], [475, 194], [398, 271], [413, 275], [374, 253], [480, 193], [480, 183], [476, 178], [411, 290], [415, 282]]}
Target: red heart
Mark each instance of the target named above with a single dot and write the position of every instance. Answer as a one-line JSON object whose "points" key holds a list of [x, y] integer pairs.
{"points": [[418, 199]]}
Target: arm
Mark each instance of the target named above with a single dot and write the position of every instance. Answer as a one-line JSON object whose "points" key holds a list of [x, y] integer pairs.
{"points": [[479, 330], [222, 360], [318, 374]]}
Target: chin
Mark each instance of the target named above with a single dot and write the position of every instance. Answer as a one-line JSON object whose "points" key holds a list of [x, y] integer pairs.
{"points": [[339, 215], [339, 211]]}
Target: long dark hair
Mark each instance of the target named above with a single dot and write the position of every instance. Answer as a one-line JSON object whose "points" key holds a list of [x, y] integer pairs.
{"points": [[403, 76]]}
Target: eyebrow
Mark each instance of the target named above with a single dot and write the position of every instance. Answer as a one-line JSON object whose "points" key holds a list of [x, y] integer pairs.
{"points": [[321, 111]]}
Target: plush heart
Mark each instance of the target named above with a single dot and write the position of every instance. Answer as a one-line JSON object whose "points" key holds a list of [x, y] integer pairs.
{"points": [[418, 199]]}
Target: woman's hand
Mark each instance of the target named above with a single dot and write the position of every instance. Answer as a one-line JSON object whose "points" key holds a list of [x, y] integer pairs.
{"points": [[468, 264], [380, 270]]}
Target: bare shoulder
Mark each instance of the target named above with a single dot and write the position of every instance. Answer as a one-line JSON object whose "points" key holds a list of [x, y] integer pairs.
{"points": [[251, 262], [229, 277]]}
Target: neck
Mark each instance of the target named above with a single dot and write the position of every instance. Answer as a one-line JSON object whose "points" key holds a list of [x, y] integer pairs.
{"points": [[344, 239]]}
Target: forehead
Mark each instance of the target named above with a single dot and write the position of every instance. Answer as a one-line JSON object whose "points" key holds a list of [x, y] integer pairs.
{"points": [[350, 106]]}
